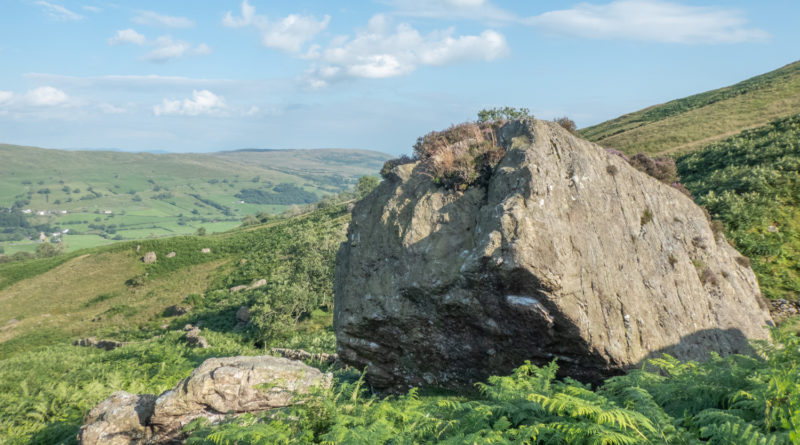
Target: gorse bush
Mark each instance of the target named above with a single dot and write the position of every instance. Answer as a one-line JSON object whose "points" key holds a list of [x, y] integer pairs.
{"points": [[461, 155]]}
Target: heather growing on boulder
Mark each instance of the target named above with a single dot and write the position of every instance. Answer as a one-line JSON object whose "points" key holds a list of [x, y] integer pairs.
{"points": [[461, 155]]}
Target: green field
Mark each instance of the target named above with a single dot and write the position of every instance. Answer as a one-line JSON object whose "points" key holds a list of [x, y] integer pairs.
{"points": [[111, 196], [687, 124]]}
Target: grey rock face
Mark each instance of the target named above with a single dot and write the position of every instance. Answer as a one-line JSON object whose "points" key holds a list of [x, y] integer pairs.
{"points": [[194, 339], [568, 253], [176, 310], [217, 388], [108, 345], [229, 385], [243, 314], [149, 257], [120, 419]]}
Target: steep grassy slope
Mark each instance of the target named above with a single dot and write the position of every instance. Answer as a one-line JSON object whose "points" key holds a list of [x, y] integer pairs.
{"points": [[106, 196], [752, 183], [689, 123]]}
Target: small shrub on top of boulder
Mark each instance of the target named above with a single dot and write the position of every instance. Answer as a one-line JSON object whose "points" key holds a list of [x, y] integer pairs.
{"points": [[461, 155]]}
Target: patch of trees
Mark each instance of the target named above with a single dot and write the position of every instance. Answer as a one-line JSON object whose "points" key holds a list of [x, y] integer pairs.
{"points": [[281, 194], [224, 209]]}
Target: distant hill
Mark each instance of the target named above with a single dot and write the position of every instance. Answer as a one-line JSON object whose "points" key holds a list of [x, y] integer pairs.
{"points": [[695, 121], [102, 196]]}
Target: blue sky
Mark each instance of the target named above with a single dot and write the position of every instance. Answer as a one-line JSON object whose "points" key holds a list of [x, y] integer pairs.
{"points": [[196, 76]]}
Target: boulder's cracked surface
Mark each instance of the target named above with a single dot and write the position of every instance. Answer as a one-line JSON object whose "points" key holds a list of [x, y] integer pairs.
{"points": [[568, 252]]}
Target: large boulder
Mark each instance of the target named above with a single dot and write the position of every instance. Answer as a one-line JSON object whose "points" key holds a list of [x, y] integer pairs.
{"points": [[232, 386], [565, 252]]}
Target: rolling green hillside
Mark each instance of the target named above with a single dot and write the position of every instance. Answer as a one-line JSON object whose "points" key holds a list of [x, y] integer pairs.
{"points": [[103, 196], [47, 385], [751, 182], [692, 122]]}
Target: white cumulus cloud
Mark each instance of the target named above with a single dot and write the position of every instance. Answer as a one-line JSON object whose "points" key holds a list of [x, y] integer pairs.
{"points": [[201, 102], [111, 109], [381, 51], [155, 19], [6, 96], [127, 36], [288, 34], [46, 96], [58, 12], [164, 47], [650, 20]]}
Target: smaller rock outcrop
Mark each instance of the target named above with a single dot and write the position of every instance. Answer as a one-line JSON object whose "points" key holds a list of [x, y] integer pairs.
{"points": [[171, 255], [300, 354], [10, 324], [254, 285], [108, 345], [782, 309], [119, 420], [194, 339], [232, 385], [243, 314], [149, 257], [205, 250], [258, 283], [219, 387], [176, 310]]}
